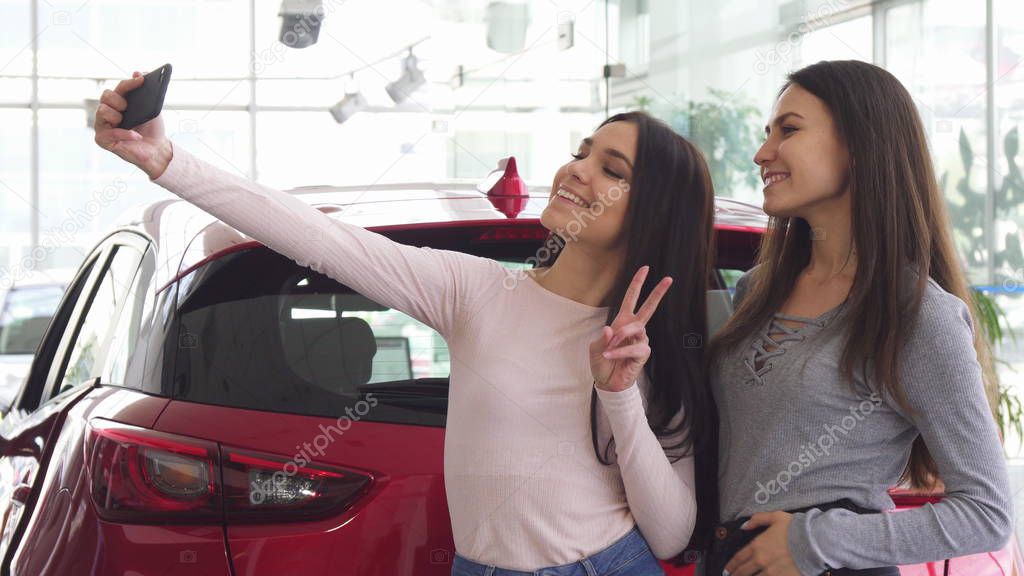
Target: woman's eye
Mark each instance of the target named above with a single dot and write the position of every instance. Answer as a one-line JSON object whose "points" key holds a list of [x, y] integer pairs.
{"points": [[577, 156], [788, 129], [612, 174]]}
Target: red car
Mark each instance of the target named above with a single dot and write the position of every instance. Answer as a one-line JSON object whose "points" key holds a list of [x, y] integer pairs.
{"points": [[187, 364]]}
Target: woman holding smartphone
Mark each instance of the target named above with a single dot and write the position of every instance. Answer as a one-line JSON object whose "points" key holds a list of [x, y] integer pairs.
{"points": [[852, 362], [532, 480]]}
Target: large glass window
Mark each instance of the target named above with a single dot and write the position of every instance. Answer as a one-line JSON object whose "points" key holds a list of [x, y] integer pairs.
{"points": [[15, 37], [247, 102], [1008, 231], [848, 40], [83, 188], [937, 49], [15, 192], [1009, 200], [25, 315], [107, 38]]}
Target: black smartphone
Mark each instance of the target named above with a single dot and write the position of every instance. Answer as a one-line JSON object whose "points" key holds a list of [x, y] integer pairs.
{"points": [[146, 101]]}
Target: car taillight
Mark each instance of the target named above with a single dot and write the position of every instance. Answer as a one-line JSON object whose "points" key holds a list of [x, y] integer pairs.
{"points": [[143, 476], [138, 475], [505, 234], [260, 487]]}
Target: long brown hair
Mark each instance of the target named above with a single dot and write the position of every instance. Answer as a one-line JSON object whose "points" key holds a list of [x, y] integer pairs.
{"points": [[898, 218], [669, 226]]}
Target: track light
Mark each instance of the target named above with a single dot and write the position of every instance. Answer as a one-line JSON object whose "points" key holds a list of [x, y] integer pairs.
{"points": [[566, 36], [300, 22], [411, 80], [350, 104]]}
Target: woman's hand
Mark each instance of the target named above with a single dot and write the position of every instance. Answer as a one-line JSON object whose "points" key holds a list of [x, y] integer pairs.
{"points": [[619, 354], [145, 146], [768, 554]]}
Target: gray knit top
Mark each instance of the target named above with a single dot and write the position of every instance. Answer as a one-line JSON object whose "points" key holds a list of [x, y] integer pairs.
{"points": [[794, 433]]}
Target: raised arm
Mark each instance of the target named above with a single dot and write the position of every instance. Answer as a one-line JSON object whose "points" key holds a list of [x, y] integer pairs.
{"points": [[436, 287]]}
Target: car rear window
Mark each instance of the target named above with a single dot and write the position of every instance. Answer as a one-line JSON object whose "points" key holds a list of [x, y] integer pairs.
{"points": [[258, 331]]}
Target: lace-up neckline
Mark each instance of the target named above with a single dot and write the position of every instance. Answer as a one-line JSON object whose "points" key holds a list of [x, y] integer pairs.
{"points": [[773, 341]]}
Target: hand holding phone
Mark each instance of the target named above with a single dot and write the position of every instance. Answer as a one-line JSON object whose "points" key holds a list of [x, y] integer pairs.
{"points": [[137, 103], [145, 103]]}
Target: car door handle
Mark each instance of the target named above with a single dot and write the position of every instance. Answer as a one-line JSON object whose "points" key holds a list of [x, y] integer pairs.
{"points": [[20, 494]]}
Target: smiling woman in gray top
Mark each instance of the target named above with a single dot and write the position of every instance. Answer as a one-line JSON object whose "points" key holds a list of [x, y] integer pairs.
{"points": [[852, 363]]}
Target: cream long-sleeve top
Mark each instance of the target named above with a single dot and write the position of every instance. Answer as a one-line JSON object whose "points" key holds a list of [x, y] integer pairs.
{"points": [[525, 489]]}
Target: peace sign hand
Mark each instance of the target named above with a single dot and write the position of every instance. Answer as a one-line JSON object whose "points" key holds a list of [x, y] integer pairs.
{"points": [[620, 352]]}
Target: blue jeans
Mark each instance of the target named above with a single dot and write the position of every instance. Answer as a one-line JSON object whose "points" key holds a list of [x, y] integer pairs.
{"points": [[628, 556]]}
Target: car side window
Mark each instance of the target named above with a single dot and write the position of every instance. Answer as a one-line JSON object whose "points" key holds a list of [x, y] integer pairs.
{"points": [[90, 346], [32, 392], [125, 353]]}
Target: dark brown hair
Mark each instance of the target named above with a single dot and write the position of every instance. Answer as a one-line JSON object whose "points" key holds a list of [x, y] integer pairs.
{"points": [[898, 218], [669, 226]]}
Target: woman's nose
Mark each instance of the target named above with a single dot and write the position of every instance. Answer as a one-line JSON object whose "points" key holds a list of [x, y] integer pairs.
{"points": [[766, 153], [576, 171]]}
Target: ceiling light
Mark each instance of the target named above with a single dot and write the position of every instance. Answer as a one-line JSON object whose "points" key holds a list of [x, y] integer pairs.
{"points": [[411, 80], [300, 22]]}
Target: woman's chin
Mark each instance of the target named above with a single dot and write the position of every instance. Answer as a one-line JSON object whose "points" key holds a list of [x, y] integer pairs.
{"points": [[552, 219], [775, 209]]}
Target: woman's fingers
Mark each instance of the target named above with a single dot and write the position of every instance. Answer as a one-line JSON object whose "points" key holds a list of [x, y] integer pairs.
{"points": [[109, 138], [647, 310], [748, 568], [627, 331], [633, 292], [126, 86], [741, 558], [109, 115], [601, 343], [632, 295], [114, 100], [638, 351]]}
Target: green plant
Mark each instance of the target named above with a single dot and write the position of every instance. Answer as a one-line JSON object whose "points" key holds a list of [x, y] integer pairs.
{"points": [[642, 102], [1008, 409], [724, 127]]}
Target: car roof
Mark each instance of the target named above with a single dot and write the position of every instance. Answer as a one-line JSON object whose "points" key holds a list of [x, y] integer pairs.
{"points": [[185, 235]]}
